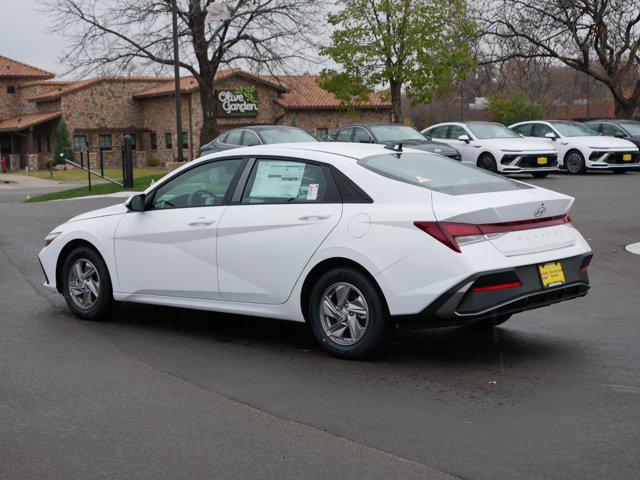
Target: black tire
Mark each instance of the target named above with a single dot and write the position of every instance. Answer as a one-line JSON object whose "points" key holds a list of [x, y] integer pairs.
{"points": [[377, 329], [540, 174], [574, 162], [619, 170], [101, 306], [491, 322], [487, 162]]}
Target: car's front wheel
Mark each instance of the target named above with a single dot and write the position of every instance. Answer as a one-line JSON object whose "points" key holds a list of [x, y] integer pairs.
{"points": [[86, 284], [347, 314], [574, 163], [487, 162]]}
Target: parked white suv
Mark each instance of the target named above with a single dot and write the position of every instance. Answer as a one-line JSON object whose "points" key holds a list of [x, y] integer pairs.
{"points": [[580, 148], [494, 147]]}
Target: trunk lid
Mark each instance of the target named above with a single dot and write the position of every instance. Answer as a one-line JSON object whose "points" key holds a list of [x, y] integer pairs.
{"points": [[511, 206]]}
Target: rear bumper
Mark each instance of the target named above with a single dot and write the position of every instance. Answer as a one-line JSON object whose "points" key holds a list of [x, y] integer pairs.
{"points": [[460, 305]]}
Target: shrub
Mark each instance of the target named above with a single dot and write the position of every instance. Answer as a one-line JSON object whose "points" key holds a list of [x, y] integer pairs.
{"points": [[513, 109], [63, 142]]}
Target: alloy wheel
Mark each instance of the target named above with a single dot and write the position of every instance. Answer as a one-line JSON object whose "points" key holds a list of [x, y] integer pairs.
{"points": [[574, 163], [344, 314], [84, 283]]}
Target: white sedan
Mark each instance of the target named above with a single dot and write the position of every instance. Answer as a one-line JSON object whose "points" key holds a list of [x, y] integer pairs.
{"points": [[354, 239], [494, 147], [580, 148]]}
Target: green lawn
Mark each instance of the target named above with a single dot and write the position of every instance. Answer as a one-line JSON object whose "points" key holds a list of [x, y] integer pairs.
{"points": [[139, 184], [77, 175]]}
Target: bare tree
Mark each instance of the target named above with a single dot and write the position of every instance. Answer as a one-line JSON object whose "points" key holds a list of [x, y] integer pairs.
{"points": [[127, 35], [600, 38]]}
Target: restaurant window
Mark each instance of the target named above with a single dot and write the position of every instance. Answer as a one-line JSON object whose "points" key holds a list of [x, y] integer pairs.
{"points": [[153, 141], [79, 141], [168, 141], [185, 140], [11, 89], [104, 142], [321, 132]]}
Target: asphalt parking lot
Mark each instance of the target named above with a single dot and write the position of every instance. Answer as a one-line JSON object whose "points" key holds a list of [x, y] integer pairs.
{"points": [[167, 393]]}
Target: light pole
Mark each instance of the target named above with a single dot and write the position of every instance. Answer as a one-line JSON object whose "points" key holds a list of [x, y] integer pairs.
{"points": [[176, 70]]}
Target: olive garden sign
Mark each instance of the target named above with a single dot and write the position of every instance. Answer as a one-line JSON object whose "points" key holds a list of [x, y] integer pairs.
{"points": [[239, 102]]}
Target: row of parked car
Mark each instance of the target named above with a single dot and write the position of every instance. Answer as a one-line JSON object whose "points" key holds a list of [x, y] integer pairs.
{"points": [[535, 147]]}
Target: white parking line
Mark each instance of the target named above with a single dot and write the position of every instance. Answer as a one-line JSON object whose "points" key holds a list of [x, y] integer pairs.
{"points": [[633, 248]]}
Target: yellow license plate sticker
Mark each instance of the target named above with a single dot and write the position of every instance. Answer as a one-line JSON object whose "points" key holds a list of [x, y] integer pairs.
{"points": [[626, 157], [542, 160], [551, 274]]}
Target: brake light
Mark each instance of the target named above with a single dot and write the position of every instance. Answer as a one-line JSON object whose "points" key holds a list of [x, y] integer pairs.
{"points": [[454, 234], [500, 286]]}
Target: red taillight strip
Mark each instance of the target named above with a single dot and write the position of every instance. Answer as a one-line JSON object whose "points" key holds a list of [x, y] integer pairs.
{"points": [[505, 227], [501, 286]]}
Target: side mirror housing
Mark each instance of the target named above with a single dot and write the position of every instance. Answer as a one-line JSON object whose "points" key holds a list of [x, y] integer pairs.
{"points": [[550, 135], [464, 138], [136, 203]]}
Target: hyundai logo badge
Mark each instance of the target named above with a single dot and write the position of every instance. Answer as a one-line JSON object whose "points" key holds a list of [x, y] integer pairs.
{"points": [[539, 212]]}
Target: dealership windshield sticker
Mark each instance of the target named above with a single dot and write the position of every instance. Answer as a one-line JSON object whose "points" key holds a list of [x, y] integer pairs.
{"points": [[276, 179]]}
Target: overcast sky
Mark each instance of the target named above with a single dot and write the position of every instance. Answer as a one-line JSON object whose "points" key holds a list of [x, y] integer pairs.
{"points": [[25, 36]]}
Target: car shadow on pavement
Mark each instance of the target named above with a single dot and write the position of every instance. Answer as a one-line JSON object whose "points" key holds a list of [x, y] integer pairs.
{"points": [[450, 345]]}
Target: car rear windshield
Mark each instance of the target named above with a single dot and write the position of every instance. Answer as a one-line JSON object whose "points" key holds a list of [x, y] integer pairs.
{"points": [[438, 173], [285, 135], [573, 129], [395, 133]]}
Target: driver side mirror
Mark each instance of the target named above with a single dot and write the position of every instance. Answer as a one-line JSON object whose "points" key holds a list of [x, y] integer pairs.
{"points": [[464, 138], [550, 135], [136, 203]]}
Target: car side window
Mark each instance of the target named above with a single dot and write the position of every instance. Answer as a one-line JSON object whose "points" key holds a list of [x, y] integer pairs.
{"points": [[540, 130], [223, 138], [250, 139], [288, 181], [362, 136], [343, 135], [201, 186], [608, 129], [439, 132], [234, 137], [524, 130], [455, 131]]}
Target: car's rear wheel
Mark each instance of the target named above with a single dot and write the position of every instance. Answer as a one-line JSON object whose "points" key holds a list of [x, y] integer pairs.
{"points": [[491, 322], [574, 163], [347, 314], [86, 284], [487, 162], [540, 174]]}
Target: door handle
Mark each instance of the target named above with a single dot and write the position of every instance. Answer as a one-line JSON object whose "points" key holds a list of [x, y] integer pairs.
{"points": [[202, 221], [315, 216]]}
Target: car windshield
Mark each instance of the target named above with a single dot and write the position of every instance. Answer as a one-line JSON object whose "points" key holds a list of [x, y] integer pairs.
{"points": [[573, 129], [439, 173], [632, 127], [491, 130], [395, 133], [285, 135]]}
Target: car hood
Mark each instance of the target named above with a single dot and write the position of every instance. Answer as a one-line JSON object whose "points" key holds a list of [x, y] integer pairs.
{"points": [[599, 142], [117, 209], [517, 144]]}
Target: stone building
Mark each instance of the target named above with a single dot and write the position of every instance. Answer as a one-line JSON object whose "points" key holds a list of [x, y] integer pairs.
{"points": [[100, 111]]}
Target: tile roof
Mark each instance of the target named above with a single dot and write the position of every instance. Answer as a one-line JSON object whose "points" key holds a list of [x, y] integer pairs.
{"points": [[305, 93], [82, 84], [44, 83], [189, 84], [21, 122], [13, 69]]}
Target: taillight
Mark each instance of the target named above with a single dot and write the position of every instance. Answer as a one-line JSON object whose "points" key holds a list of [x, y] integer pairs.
{"points": [[499, 286], [454, 234]]}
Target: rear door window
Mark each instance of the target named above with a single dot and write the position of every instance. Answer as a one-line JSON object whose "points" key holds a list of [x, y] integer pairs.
{"points": [[438, 173], [343, 135], [234, 137]]}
